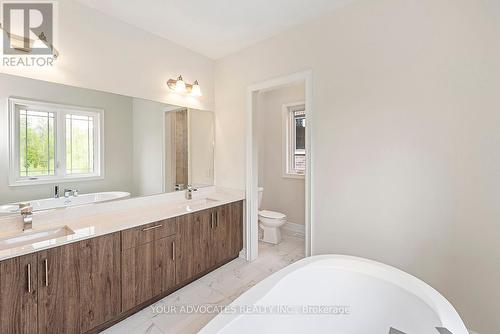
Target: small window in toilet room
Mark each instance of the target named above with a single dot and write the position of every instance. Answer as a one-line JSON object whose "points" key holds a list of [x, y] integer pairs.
{"points": [[294, 126]]}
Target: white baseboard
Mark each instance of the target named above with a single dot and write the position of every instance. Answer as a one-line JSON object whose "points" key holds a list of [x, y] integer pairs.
{"points": [[295, 228], [243, 254]]}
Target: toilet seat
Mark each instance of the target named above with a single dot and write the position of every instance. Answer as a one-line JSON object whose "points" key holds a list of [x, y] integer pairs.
{"points": [[271, 214]]}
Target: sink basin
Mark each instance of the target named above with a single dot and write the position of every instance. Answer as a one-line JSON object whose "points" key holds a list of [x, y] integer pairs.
{"points": [[9, 208], [197, 203], [30, 237]]}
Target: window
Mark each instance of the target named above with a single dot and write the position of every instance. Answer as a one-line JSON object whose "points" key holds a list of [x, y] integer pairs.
{"points": [[53, 142], [294, 121], [79, 144]]}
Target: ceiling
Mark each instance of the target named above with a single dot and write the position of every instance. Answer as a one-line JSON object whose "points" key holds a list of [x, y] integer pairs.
{"points": [[214, 28]]}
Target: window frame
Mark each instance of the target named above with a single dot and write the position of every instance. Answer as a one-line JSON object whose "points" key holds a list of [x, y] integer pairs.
{"points": [[288, 151], [60, 111]]}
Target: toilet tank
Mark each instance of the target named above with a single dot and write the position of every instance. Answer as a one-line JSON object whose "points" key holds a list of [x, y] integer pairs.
{"points": [[260, 190]]}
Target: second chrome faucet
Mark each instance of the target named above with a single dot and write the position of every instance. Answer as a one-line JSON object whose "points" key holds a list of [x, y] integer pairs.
{"points": [[67, 192], [189, 192]]}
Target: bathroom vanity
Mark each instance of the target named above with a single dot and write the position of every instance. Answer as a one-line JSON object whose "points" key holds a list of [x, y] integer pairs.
{"points": [[120, 258], [128, 214]]}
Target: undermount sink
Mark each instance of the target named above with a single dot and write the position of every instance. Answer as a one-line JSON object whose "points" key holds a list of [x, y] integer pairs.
{"points": [[30, 237], [194, 204]]}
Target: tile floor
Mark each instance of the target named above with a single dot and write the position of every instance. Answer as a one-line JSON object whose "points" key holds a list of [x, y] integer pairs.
{"points": [[220, 287]]}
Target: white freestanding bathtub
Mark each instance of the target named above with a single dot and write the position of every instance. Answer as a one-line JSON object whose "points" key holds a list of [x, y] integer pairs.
{"points": [[338, 294]]}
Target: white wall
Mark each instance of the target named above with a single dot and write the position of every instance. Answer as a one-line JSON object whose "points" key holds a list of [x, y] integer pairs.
{"points": [[201, 147], [406, 138], [103, 53], [117, 135], [148, 168], [281, 194]]}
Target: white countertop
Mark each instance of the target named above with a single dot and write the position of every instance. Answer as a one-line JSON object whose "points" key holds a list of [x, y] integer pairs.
{"points": [[94, 220]]}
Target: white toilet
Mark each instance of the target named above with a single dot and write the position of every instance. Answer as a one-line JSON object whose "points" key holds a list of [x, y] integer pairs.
{"points": [[270, 222]]}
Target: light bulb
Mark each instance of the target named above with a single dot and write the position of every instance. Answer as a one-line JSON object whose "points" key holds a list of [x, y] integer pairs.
{"points": [[196, 90], [180, 85]]}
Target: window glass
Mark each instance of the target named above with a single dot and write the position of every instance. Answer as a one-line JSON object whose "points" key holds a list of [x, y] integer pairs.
{"points": [[299, 158], [295, 145], [36, 143], [79, 144]]}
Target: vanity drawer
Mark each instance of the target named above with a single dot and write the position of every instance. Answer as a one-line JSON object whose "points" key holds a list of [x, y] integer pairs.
{"points": [[143, 234]]}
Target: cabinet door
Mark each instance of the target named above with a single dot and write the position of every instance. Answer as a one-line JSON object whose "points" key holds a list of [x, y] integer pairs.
{"points": [[18, 295], [193, 237], [234, 229], [59, 293], [147, 271], [164, 265], [137, 271], [99, 268], [79, 285], [227, 236], [220, 242]]}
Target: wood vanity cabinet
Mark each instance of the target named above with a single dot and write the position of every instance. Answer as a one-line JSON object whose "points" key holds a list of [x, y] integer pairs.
{"points": [[79, 285], [207, 239], [148, 262], [18, 295], [87, 286]]}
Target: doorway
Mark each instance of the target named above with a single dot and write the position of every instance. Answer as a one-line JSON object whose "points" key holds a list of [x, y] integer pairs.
{"points": [[291, 160]]}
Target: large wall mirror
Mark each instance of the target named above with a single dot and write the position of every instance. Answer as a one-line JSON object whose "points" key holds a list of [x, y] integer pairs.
{"points": [[64, 146]]}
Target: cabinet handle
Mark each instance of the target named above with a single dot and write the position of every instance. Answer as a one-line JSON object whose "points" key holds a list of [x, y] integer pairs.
{"points": [[151, 228], [216, 219], [173, 250], [212, 220], [29, 277], [46, 263]]}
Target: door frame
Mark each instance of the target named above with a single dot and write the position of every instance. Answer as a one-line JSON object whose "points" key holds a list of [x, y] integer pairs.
{"points": [[251, 206], [167, 132]]}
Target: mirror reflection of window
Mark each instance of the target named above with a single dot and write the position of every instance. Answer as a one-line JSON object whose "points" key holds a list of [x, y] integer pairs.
{"points": [[53, 142], [79, 144], [36, 143]]}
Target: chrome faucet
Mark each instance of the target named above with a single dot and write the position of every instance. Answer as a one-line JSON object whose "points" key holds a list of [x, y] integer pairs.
{"points": [[67, 194], [70, 192], [27, 213], [189, 191]]}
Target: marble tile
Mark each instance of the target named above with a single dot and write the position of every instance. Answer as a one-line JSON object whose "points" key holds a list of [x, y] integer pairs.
{"points": [[134, 325], [235, 278], [219, 287], [182, 323]]}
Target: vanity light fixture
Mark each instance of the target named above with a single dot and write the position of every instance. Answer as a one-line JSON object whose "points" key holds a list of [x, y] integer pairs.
{"points": [[181, 87]]}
